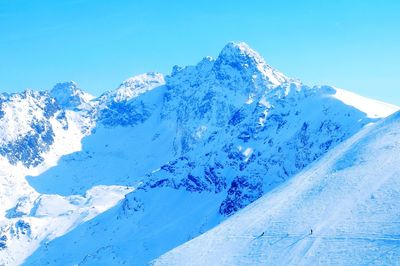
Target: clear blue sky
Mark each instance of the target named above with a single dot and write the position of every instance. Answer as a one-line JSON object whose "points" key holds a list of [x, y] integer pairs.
{"points": [[350, 44]]}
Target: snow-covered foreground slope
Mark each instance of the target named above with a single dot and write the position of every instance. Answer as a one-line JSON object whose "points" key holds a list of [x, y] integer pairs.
{"points": [[350, 200]]}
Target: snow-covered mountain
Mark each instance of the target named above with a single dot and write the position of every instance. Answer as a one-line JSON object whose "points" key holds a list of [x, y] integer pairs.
{"points": [[69, 96], [349, 199], [138, 171]]}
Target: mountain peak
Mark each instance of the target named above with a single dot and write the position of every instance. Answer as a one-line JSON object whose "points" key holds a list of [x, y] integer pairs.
{"points": [[149, 79], [134, 86], [239, 56], [235, 49], [69, 95]]}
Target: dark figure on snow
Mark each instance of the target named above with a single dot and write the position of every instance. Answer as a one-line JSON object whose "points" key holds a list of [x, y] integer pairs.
{"points": [[311, 231]]}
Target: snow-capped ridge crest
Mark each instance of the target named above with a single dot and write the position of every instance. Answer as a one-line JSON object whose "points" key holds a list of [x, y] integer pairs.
{"points": [[393, 118], [204, 65], [134, 86], [237, 68], [25, 93], [141, 80]]}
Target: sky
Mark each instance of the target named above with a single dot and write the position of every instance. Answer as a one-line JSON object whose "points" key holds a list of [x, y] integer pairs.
{"points": [[353, 45]]}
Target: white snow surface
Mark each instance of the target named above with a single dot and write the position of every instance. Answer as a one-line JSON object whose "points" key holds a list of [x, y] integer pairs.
{"points": [[349, 199], [372, 108]]}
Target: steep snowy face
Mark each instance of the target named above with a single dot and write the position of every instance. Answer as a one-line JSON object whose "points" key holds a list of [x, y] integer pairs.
{"points": [[341, 211], [204, 97], [262, 144], [69, 96]]}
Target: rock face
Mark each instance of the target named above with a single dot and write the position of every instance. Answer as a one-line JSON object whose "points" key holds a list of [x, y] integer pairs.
{"points": [[196, 146], [27, 122], [69, 96], [342, 210]]}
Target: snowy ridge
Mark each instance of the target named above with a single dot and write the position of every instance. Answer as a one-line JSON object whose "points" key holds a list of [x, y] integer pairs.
{"points": [[372, 108], [133, 87]]}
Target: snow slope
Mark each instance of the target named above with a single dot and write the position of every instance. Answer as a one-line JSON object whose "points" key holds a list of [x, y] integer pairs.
{"points": [[372, 108], [349, 199], [197, 146]]}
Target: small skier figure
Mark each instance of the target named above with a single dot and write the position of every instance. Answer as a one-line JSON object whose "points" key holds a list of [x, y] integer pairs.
{"points": [[311, 231], [262, 234]]}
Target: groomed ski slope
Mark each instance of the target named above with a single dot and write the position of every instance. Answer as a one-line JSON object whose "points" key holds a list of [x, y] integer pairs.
{"points": [[350, 199]]}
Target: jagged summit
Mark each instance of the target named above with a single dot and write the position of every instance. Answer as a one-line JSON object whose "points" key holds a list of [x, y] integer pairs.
{"points": [[238, 72], [69, 95], [239, 56], [233, 50]]}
